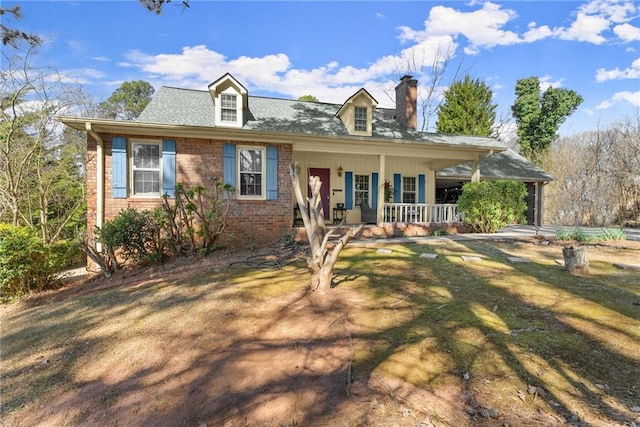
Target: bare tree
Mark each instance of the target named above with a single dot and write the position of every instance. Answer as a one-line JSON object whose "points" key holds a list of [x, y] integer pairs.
{"points": [[597, 177], [430, 96], [41, 176], [322, 259]]}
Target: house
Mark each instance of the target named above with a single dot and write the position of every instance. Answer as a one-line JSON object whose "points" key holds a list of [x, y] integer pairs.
{"points": [[359, 151]]}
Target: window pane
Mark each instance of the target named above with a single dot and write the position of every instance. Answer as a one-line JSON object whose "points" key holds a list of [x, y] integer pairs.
{"points": [[228, 101], [361, 119], [250, 184], [146, 182], [146, 155], [408, 189], [146, 168], [228, 105], [361, 195], [250, 161]]}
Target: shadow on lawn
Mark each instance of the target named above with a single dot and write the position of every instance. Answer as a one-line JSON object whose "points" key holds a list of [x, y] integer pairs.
{"points": [[247, 346]]}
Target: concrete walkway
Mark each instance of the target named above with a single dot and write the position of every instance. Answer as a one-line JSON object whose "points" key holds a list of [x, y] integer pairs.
{"points": [[511, 231]]}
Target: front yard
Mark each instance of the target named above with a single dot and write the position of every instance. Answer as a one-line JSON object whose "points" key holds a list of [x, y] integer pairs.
{"points": [[407, 340]]}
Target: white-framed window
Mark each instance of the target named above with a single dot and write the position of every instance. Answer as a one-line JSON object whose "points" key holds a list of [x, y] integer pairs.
{"points": [[146, 168], [251, 172], [409, 189], [229, 108], [361, 190], [360, 123]]}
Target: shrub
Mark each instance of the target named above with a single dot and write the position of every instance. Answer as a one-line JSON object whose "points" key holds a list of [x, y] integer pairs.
{"points": [[25, 265], [490, 205], [137, 234]]}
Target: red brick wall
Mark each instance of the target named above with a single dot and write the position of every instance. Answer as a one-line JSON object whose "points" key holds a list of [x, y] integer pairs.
{"points": [[197, 160]]}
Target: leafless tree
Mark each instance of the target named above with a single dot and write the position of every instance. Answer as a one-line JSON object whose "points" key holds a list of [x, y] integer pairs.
{"points": [[41, 182], [434, 74], [597, 177], [322, 259]]}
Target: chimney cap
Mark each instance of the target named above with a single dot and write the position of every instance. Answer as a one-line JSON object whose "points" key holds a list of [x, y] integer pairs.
{"points": [[406, 77]]}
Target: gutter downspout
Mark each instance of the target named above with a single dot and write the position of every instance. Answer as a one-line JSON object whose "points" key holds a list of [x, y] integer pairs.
{"points": [[99, 179]]}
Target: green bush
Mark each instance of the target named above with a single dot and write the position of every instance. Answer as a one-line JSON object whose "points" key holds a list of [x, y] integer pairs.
{"points": [[66, 253], [25, 265], [490, 205], [137, 234]]}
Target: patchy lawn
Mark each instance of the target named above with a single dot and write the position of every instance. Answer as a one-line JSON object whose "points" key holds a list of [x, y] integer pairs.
{"points": [[406, 341]]}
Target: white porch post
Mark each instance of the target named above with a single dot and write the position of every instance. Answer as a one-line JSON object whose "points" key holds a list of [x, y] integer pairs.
{"points": [[431, 187], [380, 189], [475, 172]]}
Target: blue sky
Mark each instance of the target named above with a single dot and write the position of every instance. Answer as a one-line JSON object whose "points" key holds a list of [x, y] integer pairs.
{"points": [[331, 49]]}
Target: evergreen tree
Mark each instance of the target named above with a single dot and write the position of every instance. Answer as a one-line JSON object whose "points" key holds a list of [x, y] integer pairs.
{"points": [[539, 115], [128, 101], [467, 109]]}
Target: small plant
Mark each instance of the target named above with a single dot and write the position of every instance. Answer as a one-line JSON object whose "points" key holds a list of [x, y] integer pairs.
{"points": [[25, 265], [388, 191], [580, 235]]}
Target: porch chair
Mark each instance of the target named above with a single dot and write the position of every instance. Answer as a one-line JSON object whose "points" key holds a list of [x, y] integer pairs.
{"points": [[368, 215]]}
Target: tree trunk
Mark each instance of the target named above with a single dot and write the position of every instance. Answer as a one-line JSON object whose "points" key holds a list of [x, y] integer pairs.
{"points": [[321, 262], [576, 259]]}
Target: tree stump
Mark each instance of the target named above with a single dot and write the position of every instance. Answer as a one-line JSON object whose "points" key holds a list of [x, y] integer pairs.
{"points": [[576, 259]]}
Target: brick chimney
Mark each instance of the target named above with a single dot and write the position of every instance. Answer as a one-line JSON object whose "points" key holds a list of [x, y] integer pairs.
{"points": [[406, 102]]}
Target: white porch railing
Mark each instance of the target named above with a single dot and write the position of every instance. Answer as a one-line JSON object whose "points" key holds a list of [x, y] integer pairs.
{"points": [[422, 213]]}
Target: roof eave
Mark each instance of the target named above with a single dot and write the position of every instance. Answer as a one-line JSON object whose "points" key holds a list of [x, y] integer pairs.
{"points": [[252, 135]]}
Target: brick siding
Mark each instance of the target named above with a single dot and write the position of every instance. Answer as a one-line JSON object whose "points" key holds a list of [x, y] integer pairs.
{"points": [[198, 160]]}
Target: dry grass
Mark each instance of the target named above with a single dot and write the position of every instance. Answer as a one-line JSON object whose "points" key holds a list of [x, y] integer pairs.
{"points": [[405, 341]]}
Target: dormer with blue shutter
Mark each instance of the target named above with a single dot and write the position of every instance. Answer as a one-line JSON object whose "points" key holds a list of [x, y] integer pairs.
{"points": [[357, 113], [230, 100]]}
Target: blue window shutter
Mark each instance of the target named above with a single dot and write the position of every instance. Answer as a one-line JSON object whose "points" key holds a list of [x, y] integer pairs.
{"points": [[229, 164], [397, 190], [272, 173], [374, 187], [119, 167], [169, 168], [421, 188], [348, 190]]}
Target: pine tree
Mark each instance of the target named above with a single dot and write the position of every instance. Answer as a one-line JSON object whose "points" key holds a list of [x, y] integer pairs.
{"points": [[467, 109]]}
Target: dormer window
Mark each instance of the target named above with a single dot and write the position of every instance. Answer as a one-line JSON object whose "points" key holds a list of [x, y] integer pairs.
{"points": [[357, 113], [230, 99], [360, 124], [228, 106]]}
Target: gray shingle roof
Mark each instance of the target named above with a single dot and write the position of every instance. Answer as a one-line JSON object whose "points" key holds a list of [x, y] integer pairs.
{"points": [[196, 108], [505, 165]]}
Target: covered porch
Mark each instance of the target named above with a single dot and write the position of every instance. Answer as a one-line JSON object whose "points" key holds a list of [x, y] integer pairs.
{"points": [[386, 185]]}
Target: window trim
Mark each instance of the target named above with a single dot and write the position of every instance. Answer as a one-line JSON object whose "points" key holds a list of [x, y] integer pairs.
{"points": [[355, 190], [358, 120], [414, 192], [133, 169], [263, 173], [218, 104]]}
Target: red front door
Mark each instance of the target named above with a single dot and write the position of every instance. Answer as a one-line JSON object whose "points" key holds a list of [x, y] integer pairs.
{"points": [[324, 189]]}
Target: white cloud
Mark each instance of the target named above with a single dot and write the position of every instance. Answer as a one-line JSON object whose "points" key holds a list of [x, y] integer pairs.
{"points": [[537, 33], [627, 32], [614, 10], [101, 59], [586, 28], [632, 72], [604, 105], [632, 98], [546, 83], [482, 27]]}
